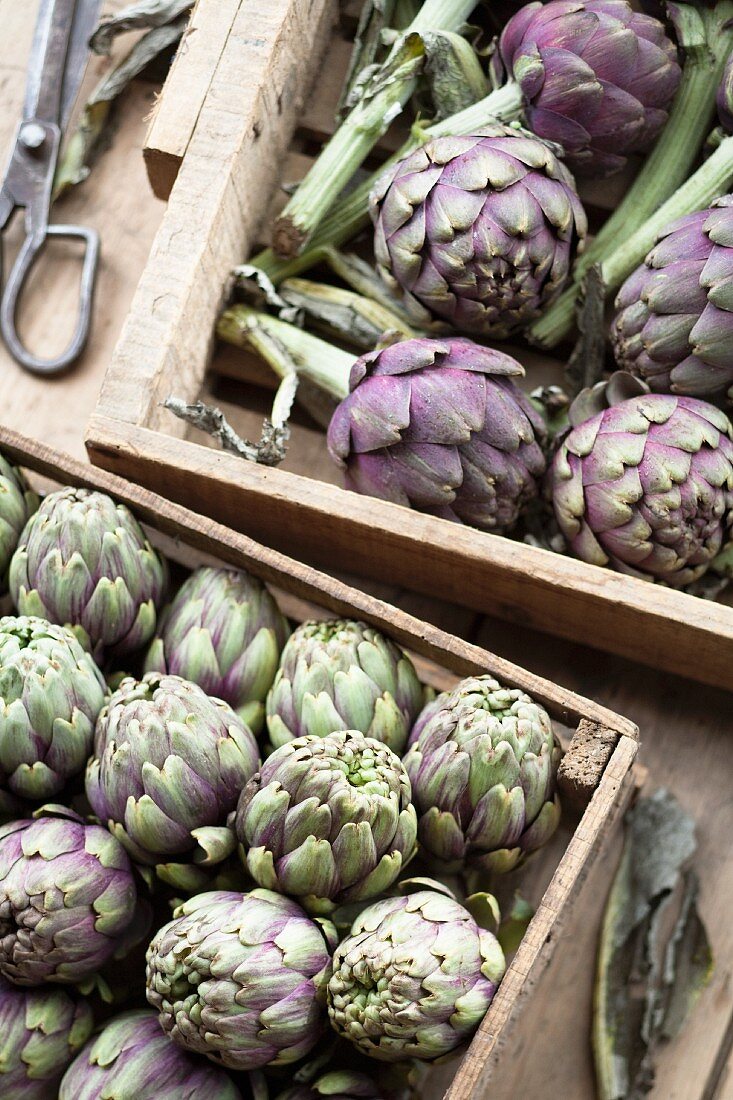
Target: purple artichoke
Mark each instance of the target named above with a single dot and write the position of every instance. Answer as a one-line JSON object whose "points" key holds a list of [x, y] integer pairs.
{"points": [[224, 632], [84, 561], [40, 1032], [478, 230], [596, 76], [482, 769], [439, 425], [67, 895], [132, 1059], [242, 978], [646, 487], [674, 322], [169, 764], [414, 978]]}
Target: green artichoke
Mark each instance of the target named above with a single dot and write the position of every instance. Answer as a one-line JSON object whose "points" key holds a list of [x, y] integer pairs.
{"points": [[328, 820], [414, 978], [17, 504], [132, 1059], [67, 898], [342, 675], [225, 632], [168, 767], [83, 561], [242, 978], [40, 1032], [51, 693], [482, 769]]}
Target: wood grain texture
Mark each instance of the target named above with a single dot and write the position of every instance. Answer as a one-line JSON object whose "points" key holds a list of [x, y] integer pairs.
{"points": [[182, 97], [116, 200], [231, 162], [607, 799]]}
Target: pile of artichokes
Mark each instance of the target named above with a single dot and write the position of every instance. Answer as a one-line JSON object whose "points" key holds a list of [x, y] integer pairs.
{"points": [[479, 234], [207, 820]]}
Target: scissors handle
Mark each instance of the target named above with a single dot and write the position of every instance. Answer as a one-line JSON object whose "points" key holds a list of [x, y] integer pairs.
{"points": [[25, 260]]}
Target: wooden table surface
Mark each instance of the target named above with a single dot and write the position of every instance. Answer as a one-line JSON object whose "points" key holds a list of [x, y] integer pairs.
{"points": [[687, 734]]}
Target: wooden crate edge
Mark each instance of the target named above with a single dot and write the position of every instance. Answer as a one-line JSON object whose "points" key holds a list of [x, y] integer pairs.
{"points": [[535, 951]]}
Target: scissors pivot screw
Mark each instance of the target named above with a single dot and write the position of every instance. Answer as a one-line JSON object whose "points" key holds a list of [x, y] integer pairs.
{"points": [[32, 135]]}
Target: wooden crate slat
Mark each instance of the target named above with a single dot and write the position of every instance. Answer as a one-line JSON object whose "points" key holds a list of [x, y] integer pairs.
{"points": [[521, 583], [182, 98]]}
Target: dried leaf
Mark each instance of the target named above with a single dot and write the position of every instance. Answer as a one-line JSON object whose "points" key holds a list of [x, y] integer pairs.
{"points": [[376, 16], [93, 131], [646, 983], [270, 450], [454, 73], [141, 16]]}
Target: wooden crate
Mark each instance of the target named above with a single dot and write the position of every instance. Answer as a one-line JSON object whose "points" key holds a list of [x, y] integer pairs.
{"points": [[278, 74], [595, 778]]}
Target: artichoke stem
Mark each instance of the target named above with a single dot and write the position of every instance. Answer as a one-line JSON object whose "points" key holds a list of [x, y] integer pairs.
{"points": [[351, 214], [384, 97], [285, 348], [708, 38]]}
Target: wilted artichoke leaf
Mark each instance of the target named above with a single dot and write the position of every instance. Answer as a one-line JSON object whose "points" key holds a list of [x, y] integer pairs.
{"points": [[143, 15], [453, 71], [376, 16], [652, 964], [93, 131]]}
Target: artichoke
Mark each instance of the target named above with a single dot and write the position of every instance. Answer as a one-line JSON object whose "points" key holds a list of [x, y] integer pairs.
{"points": [[596, 78], [342, 675], [83, 561], [51, 692], [17, 504], [646, 487], [169, 764], [67, 895], [674, 322], [478, 230], [242, 978], [483, 777], [414, 978], [340, 1084], [439, 425], [328, 820], [40, 1032], [225, 632], [131, 1059]]}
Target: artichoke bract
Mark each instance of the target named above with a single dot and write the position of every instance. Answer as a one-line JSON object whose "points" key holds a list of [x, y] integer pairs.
{"points": [[41, 1030], [343, 675], [242, 978], [169, 764], [17, 504], [67, 896], [478, 230], [440, 426], [224, 632], [51, 693], [328, 820], [83, 561], [483, 771], [132, 1059], [674, 322], [414, 978], [596, 77], [646, 487]]}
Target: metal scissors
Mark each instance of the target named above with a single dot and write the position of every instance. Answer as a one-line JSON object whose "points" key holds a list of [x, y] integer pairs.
{"points": [[58, 59]]}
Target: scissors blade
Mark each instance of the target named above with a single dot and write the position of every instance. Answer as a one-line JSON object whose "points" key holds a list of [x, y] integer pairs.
{"points": [[47, 62], [86, 19]]}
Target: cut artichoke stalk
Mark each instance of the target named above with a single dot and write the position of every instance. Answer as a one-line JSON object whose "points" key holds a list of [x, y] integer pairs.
{"points": [[380, 99], [706, 34], [350, 214]]}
